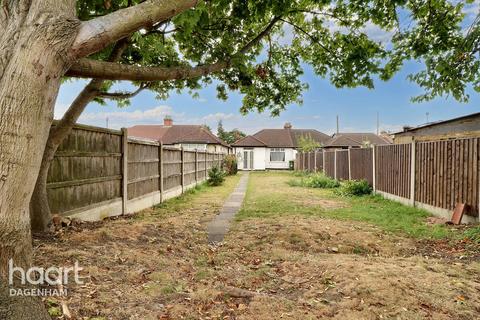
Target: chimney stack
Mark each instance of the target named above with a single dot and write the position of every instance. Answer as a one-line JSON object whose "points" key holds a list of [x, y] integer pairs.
{"points": [[167, 121], [287, 125]]}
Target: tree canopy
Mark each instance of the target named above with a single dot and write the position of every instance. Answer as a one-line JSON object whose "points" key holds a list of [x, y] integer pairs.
{"points": [[307, 144], [229, 136], [259, 48]]}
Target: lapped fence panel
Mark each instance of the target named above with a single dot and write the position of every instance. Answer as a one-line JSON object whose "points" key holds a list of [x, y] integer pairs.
{"points": [[86, 169], [172, 168], [143, 168]]}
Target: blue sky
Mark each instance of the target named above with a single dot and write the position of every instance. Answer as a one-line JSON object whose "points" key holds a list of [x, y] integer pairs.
{"points": [[357, 108]]}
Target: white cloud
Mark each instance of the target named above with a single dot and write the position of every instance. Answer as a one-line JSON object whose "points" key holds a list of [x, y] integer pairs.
{"points": [[217, 117], [117, 119]]}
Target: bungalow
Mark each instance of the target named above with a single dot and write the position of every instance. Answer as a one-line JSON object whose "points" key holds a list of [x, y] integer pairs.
{"points": [[190, 137], [273, 148]]}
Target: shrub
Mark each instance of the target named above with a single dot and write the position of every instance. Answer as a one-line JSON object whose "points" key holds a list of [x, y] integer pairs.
{"points": [[230, 165], [355, 188], [300, 173], [320, 180], [216, 176]]}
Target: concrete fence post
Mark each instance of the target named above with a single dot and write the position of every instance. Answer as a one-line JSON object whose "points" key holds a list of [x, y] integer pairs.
{"points": [[349, 165], [413, 154], [206, 162], [160, 169], [374, 169], [335, 165], [183, 168], [323, 161], [124, 170]]}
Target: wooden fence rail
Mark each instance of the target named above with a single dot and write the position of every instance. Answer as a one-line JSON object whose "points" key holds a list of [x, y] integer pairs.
{"points": [[434, 175], [99, 172]]}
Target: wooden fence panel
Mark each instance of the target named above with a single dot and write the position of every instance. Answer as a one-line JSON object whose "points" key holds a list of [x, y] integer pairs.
{"points": [[202, 173], [87, 169], [319, 161], [143, 168], [392, 174], [447, 172], [342, 165], [311, 161], [330, 163], [189, 167], [361, 164], [301, 161], [172, 166]]}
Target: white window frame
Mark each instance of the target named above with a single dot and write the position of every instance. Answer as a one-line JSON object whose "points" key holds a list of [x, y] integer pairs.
{"points": [[279, 151]]}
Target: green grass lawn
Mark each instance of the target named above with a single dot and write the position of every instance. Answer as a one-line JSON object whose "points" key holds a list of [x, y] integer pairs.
{"points": [[273, 195]]}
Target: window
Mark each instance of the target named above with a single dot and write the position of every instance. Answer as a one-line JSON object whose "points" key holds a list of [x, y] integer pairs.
{"points": [[277, 154]]}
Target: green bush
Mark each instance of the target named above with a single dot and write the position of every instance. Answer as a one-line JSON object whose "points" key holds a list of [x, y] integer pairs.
{"points": [[216, 176], [230, 165], [313, 180], [355, 188], [320, 180], [300, 173]]}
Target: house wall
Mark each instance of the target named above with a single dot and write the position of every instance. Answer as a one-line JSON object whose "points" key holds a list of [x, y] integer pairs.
{"points": [[462, 128], [217, 148], [213, 148], [258, 157], [289, 156]]}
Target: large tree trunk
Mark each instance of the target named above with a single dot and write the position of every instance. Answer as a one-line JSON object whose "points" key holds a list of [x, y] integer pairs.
{"points": [[33, 58]]}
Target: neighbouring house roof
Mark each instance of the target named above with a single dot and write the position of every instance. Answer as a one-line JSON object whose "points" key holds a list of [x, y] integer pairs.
{"points": [[407, 129], [280, 138], [355, 140], [175, 134], [316, 135], [249, 141]]}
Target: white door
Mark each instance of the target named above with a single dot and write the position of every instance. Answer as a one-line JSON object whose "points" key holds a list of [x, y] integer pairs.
{"points": [[248, 160]]}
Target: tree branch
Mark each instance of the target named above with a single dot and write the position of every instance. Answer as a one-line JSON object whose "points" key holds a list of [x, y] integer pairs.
{"points": [[114, 71], [121, 95], [88, 68], [312, 38], [96, 34], [91, 90]]}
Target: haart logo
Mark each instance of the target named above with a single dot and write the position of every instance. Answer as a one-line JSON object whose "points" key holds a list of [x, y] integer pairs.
{"points": [[54, 277]]}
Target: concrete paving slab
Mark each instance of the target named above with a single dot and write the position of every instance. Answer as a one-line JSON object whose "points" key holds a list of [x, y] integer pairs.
{"points": [[219, 226]]}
